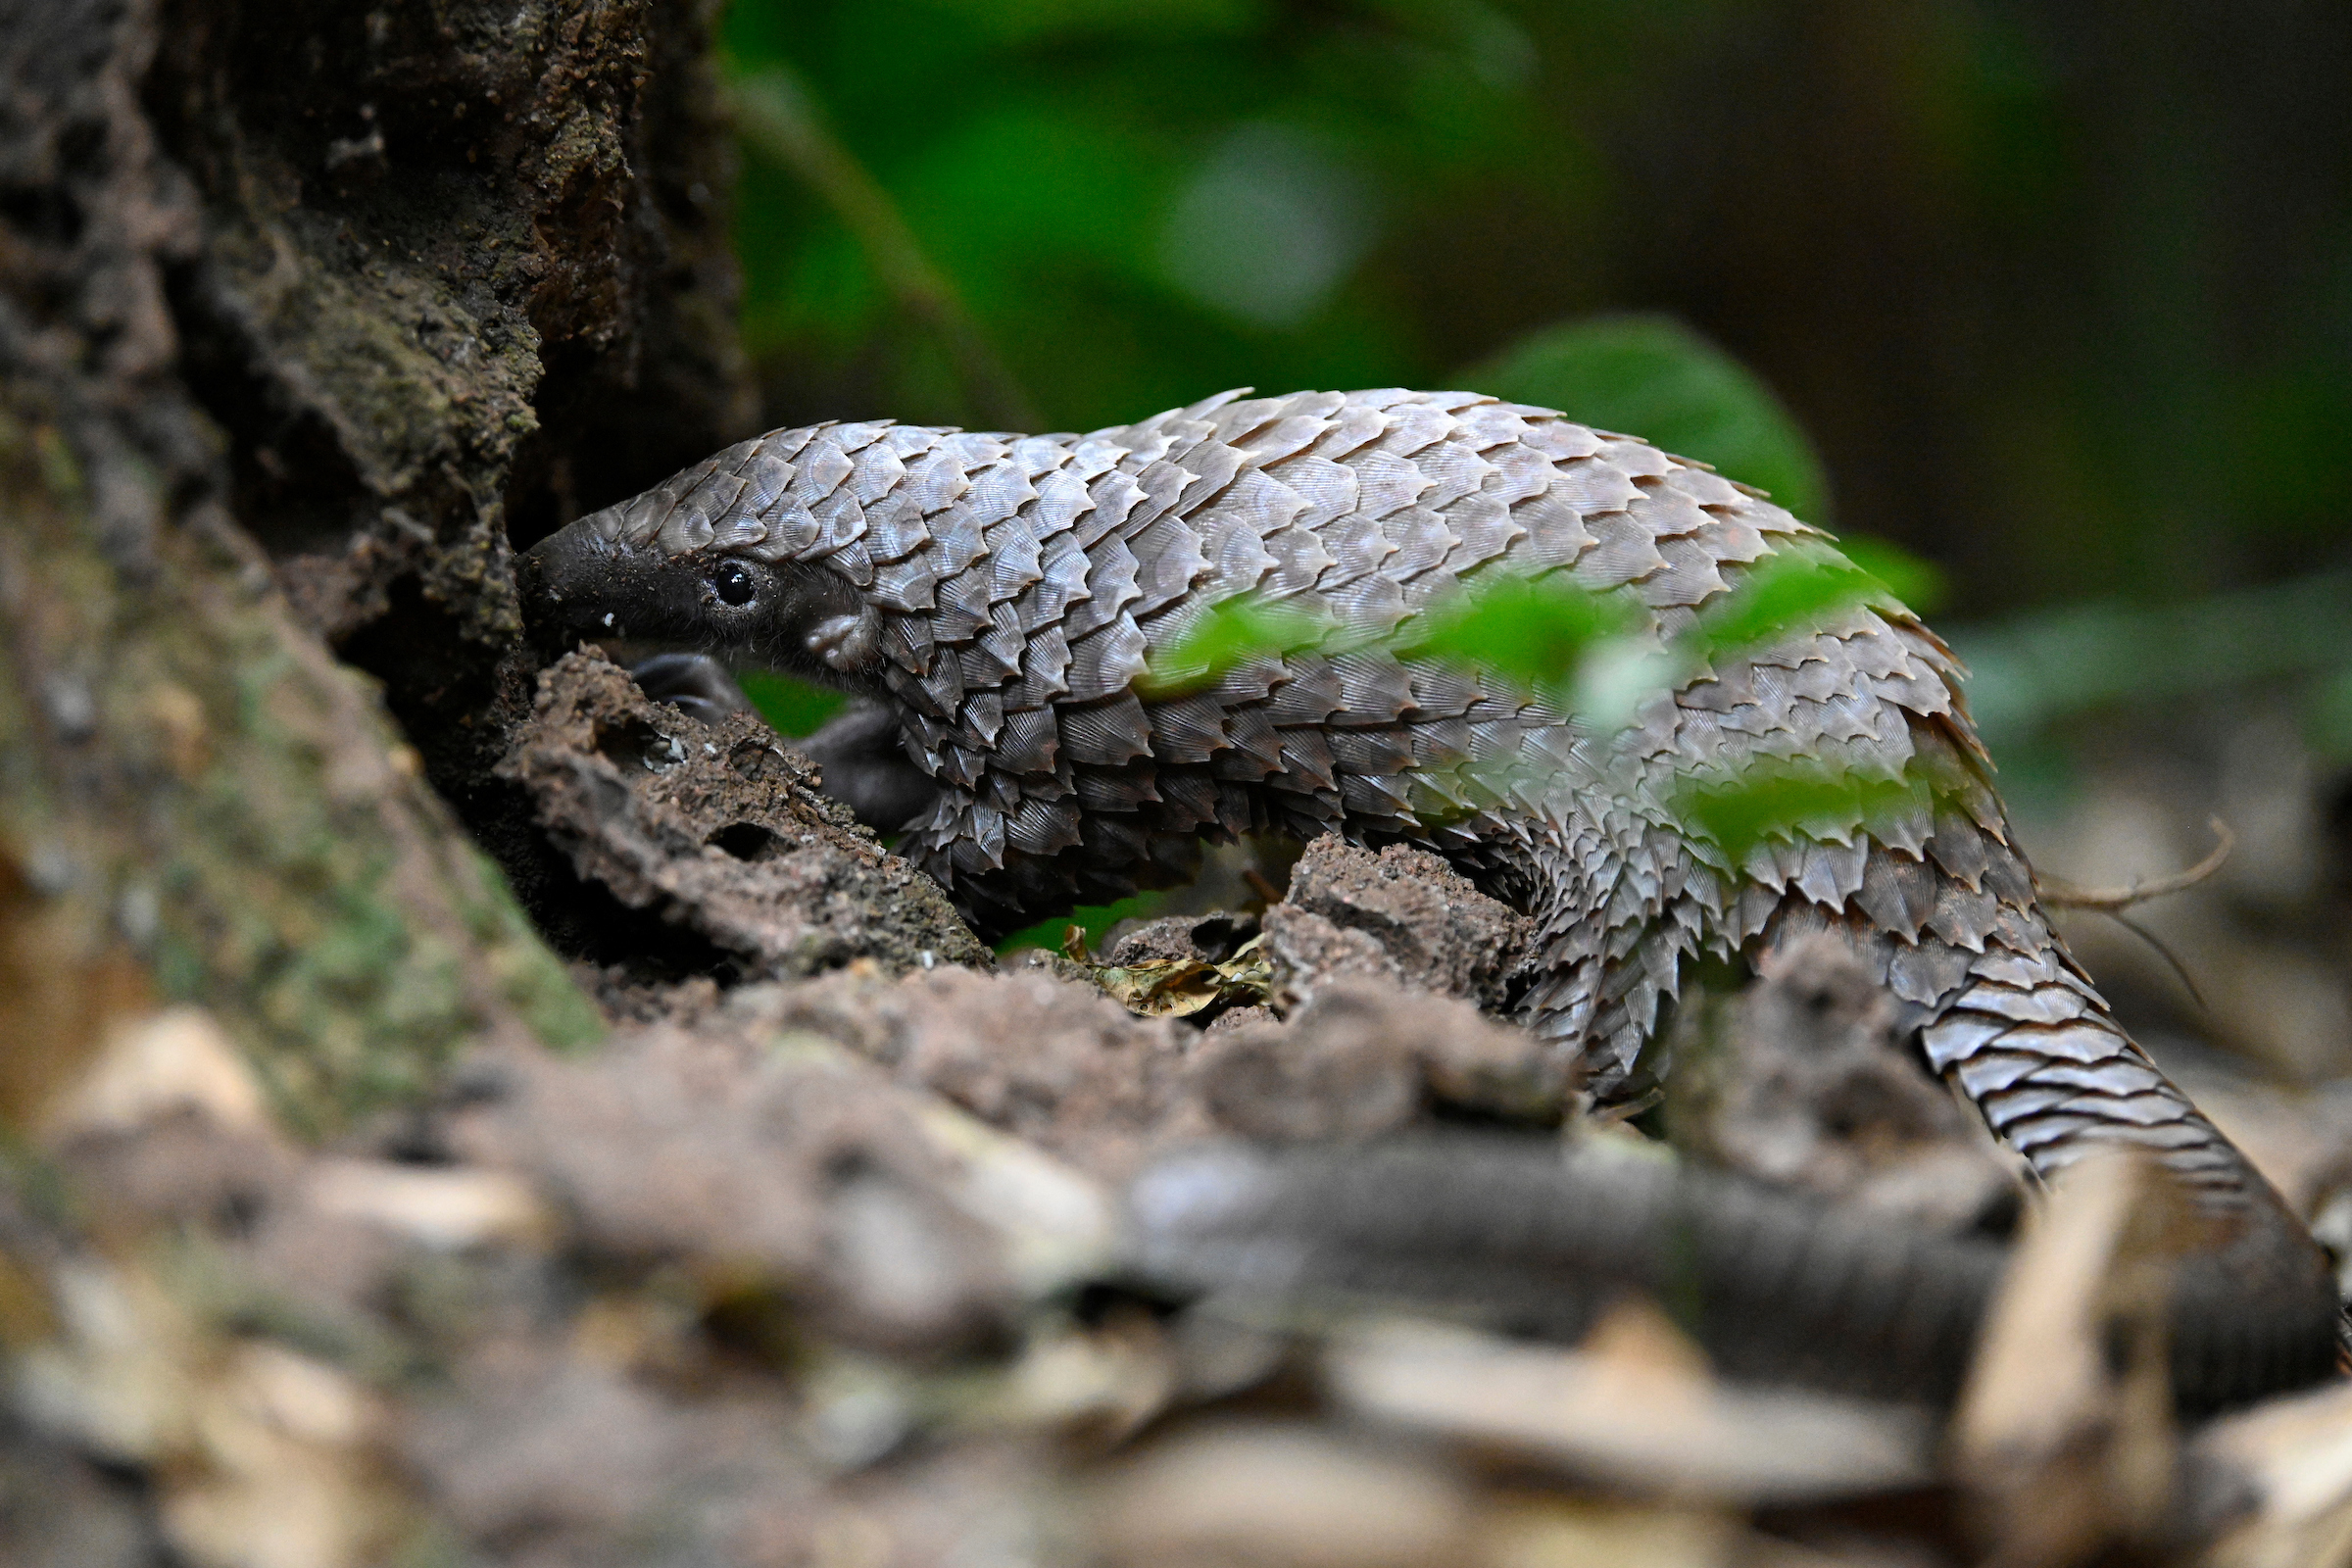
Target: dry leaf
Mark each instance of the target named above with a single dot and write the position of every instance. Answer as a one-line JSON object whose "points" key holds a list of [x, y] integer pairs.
{"points": [[1177, 988]]}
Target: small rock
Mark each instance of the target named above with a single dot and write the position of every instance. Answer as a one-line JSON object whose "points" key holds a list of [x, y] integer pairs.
{"points": [[173, 1060], [440, 1207]]}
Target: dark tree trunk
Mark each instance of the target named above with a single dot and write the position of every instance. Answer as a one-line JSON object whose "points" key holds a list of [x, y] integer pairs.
{"points": [[309, 313]]}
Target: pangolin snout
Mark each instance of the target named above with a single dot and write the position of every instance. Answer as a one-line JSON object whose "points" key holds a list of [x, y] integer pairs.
{"points": [[573, 584]]}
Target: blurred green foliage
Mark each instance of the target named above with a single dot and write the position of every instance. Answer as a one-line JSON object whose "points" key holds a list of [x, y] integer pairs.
{"points": [[2294, 638], [1786, 591], [1140, 202], [1542, 633], [1232, 633], [2035, 286], [1586, 652], [2328, 731], [2054, 300]]}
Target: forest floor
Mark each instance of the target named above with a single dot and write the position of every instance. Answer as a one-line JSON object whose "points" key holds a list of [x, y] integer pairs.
{"points": [[818, 1258]]}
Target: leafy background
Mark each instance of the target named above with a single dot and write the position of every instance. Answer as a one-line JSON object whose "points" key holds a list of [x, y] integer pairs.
{"points": [[2055, 294]]}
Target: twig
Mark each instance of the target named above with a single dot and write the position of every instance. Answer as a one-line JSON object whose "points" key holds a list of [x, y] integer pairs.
{"points": [[2112, 902], [775, 116], [2166, 954], [2066, 896]]}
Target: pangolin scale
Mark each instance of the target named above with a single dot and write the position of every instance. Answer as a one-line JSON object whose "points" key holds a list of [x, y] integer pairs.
{"points": [[1004, 597]]}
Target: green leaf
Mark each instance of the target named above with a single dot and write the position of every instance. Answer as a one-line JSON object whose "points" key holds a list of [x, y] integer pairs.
{"points": [[1233, 632], [1786, 591], [1782, 800], [1651, 376], [1805, 585], [1536, 633], [790, 707]]}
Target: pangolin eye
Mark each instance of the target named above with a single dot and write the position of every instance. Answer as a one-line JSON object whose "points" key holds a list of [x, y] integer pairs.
{"points": [[734, 583]]}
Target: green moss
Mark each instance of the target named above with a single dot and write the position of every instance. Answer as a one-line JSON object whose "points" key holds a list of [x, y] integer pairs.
{"points": [[310, 890]]}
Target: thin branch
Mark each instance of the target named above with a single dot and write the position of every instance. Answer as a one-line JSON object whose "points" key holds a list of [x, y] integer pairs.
{"points": [[2166, 954], [776, 118], [2066, 896]]}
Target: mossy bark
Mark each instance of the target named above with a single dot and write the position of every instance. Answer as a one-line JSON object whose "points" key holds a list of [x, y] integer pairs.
{"points": [[303, 310], [198, 793]]}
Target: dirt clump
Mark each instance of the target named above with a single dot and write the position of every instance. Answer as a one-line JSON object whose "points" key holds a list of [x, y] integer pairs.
{"points": [[1366, 1057], [1804, 1078], [1403, 913], [769, 1169], [1105, 1089], [720, 833], [1088, 1080]]}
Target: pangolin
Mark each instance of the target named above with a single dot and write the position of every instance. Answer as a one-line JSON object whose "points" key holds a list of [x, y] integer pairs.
{"points": [[1000, 602]]}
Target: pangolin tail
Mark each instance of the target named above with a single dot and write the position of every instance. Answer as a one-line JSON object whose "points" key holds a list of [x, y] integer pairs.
{"points": [[2032, 1044]]}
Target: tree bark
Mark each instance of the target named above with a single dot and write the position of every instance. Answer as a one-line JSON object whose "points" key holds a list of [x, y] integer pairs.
{"points": [[308, 313]]}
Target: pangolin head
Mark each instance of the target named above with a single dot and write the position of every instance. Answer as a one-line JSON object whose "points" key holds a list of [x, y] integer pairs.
{"points": [[692, 564]]}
